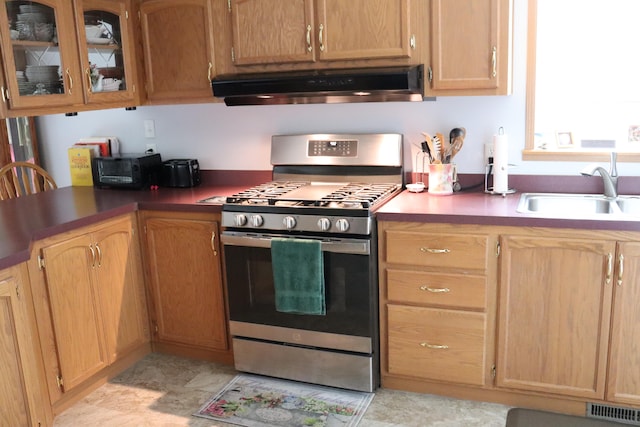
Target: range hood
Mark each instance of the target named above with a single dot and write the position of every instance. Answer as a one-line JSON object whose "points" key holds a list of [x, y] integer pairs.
{"points": [[391, 84]]}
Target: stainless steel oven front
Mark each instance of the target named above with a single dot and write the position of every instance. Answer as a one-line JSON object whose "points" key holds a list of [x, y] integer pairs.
{"points": [[339, 348]]}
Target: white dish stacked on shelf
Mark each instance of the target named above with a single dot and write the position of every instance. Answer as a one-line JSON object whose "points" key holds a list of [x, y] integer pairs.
{"points": [[25, 87], [42, 73], [35, 22]]}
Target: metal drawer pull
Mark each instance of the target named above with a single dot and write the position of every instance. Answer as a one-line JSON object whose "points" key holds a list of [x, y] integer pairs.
{"points": [[620, 268], [213, 243], [309, 48], [89, 85], [99, 252], [435, 290], [70, 80], [435, 251], [609, 268], [320, 37], [93, 256], [434, 346], [494, 61]]}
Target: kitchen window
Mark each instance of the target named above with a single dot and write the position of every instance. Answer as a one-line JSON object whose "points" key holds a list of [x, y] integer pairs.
{"points": [[583, 86]]}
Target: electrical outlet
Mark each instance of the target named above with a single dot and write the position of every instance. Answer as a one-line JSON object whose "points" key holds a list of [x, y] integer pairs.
{"points": [[149, 129], [151, 148], [488, 151]]}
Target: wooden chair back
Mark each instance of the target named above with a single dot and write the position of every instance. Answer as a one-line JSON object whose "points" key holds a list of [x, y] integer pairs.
{"points": [[23, 178]]}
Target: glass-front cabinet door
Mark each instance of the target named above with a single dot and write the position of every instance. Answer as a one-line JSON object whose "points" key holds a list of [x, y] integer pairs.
{"points": [[105, 40], [40, 54]]}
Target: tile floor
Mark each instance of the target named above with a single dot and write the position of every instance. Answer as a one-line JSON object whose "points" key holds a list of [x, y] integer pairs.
{"points": [[163, 391]]}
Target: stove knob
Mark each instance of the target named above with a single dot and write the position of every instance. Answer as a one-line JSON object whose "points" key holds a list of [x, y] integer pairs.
{"points": [[324, 224], [289, 222], [240, 220], [342, 224], [257, 220]]}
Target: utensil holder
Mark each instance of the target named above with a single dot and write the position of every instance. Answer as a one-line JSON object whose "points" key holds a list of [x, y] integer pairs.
{"points": [[441, 179]]}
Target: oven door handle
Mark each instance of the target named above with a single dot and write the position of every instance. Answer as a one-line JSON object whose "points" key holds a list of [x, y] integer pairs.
{"points": [[342, 246]]}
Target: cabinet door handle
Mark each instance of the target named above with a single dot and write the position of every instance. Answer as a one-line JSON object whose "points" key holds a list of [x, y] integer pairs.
{"points": [[609, 268], [435, 251], [70, 80], [309, 48], [434, 346], [209, 73], [213, 243], [494, 61], [99, 251], [4, 98], [620, 268], [320, 37], [89, 85], [93, 256], [435, 290]]}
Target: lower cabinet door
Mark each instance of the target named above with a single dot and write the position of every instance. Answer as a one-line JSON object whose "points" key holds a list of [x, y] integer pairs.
{"points": [[22, 394], [436, 344], [185, 278]]}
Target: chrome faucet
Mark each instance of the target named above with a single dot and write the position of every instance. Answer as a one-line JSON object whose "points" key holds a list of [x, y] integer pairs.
{"points": [[610, 178]]}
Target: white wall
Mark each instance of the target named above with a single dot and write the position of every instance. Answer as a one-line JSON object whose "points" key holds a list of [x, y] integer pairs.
{"points": [[236, 138]]}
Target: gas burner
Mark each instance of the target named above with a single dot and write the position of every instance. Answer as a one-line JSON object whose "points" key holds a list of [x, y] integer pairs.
{"points": [[361, 193], [329, 184]]}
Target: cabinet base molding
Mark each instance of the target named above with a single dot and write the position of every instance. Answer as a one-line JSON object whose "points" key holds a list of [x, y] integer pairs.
{"points": [[509, 398], [77, 393], [217, 356]]}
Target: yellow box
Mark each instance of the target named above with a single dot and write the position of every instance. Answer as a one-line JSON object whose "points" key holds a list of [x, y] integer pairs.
{"points": [[80, 165]]}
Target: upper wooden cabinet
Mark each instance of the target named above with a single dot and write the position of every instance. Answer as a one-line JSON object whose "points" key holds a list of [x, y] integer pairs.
{"points": [[178, 46], [106, 42], [40, 54], [49, 47], [310, 32], [471, 51]]}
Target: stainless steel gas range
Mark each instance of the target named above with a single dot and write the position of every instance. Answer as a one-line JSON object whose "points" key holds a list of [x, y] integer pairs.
{"points": [[301, 259]]}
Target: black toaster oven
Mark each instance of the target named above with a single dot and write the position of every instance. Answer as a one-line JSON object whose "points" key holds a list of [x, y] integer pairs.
{"points": [[135, 171]]}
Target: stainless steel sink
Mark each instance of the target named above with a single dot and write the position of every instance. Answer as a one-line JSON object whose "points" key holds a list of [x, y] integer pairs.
{"points": [[571, 205], [629, 205]]}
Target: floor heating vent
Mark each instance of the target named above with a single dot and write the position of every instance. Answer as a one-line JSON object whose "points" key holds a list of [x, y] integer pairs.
{"points": [[614, 413]]}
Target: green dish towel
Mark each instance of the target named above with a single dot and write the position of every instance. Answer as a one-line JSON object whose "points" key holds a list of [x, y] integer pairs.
{"points": [[298, 276]]}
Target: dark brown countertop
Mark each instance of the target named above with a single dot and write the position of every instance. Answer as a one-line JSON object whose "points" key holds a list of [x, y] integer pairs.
{"points": [[487, 209], [28, 219]]}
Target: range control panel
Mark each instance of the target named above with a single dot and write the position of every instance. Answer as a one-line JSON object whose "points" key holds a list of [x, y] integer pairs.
{"points": [[333, 148]]}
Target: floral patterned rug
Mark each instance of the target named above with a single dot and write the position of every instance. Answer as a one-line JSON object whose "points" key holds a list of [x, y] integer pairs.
{"points": [[255, 401]]}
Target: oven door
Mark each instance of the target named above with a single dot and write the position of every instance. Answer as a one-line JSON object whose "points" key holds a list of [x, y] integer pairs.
{"points": [[350, 294]]}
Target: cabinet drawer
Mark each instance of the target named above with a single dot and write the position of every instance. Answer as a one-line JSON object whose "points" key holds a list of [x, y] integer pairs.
{"points": [[436, 250], [436, 344], [452, 290]]}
